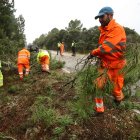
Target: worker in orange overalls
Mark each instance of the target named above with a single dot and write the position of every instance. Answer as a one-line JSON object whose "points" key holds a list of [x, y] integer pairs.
{"points": [[23, 62], [112, 45], [62, 48], [43, 58]]}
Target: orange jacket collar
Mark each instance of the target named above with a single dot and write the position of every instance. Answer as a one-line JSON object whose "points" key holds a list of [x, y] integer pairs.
{"points": [[108, 27]]}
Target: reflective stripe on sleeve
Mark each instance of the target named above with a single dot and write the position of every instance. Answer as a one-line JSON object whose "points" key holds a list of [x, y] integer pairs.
{"points": [[99, 105], [22, 56], [113, 48], [109, 44], [122, 44]]}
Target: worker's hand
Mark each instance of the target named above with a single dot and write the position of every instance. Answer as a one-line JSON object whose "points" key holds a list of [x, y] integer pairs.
{"points": [[90, 57]]}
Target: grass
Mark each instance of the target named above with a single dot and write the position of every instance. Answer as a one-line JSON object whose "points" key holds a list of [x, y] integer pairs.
{"points": [[42, 114], [5, 137], [137, 94], [4, 98], [14, 89], [79, 111], [65, 120], [58, 130]]}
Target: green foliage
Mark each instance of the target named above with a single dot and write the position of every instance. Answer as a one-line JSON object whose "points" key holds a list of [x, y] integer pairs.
{"points": [[1, 91], [86, 91], [40, 41], [55, 64], [132, 35], [6, 11], [138, 93], [58, 130], [129, 105], [137, 116], [3, 98], [41, 100], [75, 25], [62, 121], [78, 109], [43, 114], [11, 31], [134, 135], [132, 73], [5, 137], [65, 120], [86, 39], [49, 90], [13, 89]]}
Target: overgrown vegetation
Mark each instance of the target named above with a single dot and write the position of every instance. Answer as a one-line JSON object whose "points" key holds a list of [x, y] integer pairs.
{"points": [[12, 36], [40, 107]]}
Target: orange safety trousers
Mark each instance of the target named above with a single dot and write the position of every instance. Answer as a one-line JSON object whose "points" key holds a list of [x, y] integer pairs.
{"points": [[20, 69], [99, 104], [44, 61], [61, 49], [117, 79]]}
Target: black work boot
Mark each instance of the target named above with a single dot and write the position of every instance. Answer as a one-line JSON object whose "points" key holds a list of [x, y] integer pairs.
{"points": [[117, 102], [48, 72], [98, 114]]}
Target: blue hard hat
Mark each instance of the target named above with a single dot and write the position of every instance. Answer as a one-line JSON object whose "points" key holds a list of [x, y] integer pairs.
{"points": [[104, 10]]}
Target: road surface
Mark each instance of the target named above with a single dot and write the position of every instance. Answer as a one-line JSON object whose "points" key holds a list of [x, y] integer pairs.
{"points": [[70, 61]]}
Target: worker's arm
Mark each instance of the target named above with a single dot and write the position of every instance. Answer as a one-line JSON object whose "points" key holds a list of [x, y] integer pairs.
{"points": [[110, 42]]}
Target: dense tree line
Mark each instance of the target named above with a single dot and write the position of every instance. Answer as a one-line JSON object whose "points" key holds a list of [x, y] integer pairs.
{"points": [[11, 30], [86, 39]]}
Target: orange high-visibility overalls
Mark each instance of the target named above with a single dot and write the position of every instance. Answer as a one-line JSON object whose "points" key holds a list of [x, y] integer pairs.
{"points": [[62, 49], [23, 62], [43, 58], [112, 45]]}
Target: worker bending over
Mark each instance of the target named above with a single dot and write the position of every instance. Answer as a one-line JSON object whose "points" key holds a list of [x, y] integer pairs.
{"points": [[23, 62], [43, 58]]}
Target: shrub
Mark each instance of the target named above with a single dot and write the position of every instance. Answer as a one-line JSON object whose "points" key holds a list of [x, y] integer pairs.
{"points": [[43, 114], [13, 89], [55, 64]]}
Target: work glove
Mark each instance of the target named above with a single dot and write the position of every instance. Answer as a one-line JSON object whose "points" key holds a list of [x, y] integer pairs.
{"points": [[90, 56]]}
